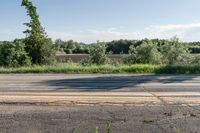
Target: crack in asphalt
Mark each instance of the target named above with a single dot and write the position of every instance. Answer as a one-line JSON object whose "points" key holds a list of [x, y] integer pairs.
{"points": [[165, 104]]}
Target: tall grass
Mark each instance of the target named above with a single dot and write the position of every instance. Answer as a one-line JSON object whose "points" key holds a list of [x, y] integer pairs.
{"points": [[73, 68]]}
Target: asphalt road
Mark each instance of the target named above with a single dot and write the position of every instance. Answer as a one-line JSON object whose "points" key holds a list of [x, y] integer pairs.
{"points": [[134, 103], [100, 89], [98, 83]]}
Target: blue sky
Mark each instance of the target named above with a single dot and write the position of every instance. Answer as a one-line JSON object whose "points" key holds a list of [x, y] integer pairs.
{"points": [[106, 20]]}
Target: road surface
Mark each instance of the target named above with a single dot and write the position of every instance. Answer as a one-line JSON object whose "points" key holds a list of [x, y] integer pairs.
{"points": [[134, 103], [100, 89]]}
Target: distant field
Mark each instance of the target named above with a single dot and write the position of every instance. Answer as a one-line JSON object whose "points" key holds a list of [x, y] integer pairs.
{"points": [[78, 57]]}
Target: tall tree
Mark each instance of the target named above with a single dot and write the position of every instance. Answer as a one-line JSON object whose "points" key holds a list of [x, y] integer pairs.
{"points": [[38, 45]]}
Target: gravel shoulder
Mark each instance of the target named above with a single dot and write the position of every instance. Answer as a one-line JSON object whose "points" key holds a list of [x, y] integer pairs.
{"points": [[57, 119]]}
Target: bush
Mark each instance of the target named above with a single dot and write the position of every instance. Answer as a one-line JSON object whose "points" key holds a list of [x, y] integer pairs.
{"points": [[13, 54], [170, 52], [175, 52], [98, 55], [40, 51], [196, 59], [71, 68], [146, 53]]}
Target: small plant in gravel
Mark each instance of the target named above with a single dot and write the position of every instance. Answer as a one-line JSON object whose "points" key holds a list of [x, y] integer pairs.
{"points": [[179, 131], [108, 129]]}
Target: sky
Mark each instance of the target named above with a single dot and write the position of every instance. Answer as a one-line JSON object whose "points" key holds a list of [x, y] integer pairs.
{"points": [[105, 20]]}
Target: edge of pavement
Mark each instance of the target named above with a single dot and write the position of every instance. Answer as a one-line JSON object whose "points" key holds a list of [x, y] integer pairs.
{"points": [[101, 98]]}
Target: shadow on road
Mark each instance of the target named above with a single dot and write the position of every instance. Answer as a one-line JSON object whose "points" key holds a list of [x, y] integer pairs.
{"points": [[125, 83]]}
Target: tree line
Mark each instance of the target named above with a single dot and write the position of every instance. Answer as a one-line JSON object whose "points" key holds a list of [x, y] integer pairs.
{"points": [[172, 52], [147, 51], [117, 46]]}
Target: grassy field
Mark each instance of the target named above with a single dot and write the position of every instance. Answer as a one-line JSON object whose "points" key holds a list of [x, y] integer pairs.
{"points": [[78, 57], [63, 58], [73, 68]]}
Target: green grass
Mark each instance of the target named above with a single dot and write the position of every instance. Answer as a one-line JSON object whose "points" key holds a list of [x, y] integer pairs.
{"points": [[108, 129], [73, 68]]}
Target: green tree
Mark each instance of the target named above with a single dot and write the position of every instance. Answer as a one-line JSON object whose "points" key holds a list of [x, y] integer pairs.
{"points": [[146, 53], [38, 46], [175, 52], [13, 54], [98, 54], [119, 47]]}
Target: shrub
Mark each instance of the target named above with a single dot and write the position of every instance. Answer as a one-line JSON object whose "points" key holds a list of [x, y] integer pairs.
{"points": [[98, 55], [13, 54], [68, 51], [146, 53], [196, 59], [175, 53]]}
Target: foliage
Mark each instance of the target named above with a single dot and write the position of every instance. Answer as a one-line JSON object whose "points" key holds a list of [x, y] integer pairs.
{"points": [[71, 47], [71, 68], [175, 53], [98, 55], [13, 54], [160, 52], [108, 129], [153, 52], [38, 46], [194, 47], [118, 46], [146, 53], [196, 59]]}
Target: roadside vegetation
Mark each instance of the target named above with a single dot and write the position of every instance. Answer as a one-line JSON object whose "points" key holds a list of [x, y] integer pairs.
{"points": [[37, 54], [117, 46], [147, 58], [74, 68], [108, 129]]}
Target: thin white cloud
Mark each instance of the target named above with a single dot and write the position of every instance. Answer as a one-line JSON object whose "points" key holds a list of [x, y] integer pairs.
{"points": [[175, 26], [186, 32], [91, 35], [62, 35]]}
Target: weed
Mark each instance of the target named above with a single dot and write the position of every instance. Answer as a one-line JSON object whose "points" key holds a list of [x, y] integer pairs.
{"points": [[75, 68], [108, 129]]}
